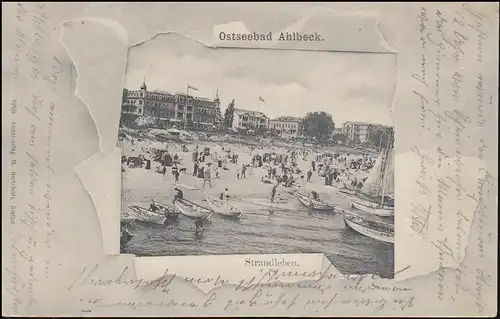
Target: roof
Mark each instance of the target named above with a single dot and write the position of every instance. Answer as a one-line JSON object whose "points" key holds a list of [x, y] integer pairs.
{"points": [[160, 92], [357, 123], [365, 123], [196, 98], [288, 119], [249, 112]]}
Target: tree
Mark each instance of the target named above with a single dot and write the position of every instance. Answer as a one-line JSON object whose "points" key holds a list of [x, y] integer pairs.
{"points": [[342, 138], [260, 130], [356, 140], [318, 125], [229, 115]]}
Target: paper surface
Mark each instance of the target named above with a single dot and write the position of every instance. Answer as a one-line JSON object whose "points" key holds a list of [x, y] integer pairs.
{"points": [[64, 71]]}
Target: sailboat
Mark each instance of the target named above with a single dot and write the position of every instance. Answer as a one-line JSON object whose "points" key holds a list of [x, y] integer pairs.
{"points": [[377, 194], [371, 228]]}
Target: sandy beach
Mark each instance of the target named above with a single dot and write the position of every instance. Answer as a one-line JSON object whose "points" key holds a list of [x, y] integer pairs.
{"points": [[285, 226]]}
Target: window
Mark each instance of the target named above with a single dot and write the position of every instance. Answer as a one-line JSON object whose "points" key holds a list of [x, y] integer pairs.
{"points": [[139, 111], [140, 102]]}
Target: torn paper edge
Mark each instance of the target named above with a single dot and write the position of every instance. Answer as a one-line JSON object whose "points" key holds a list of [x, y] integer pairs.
{"points": [[90, 107], [120, 34], [312, 13]]}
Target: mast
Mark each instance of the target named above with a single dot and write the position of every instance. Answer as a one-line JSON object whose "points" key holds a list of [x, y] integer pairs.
{"points": [[122, 199], [380, 178], [384, 185]]}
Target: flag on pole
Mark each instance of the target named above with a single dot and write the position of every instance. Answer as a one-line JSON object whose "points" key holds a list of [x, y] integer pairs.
{"points": [[192, 88], [261, 99]]}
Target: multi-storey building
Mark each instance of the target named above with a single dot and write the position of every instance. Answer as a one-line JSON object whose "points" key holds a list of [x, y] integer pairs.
{"points": [[249, 120], [172, 109], [286, 126], [362, 131]]}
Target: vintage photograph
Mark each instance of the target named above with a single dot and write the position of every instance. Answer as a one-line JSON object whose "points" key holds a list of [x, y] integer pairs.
{"points": [[242, 151]]}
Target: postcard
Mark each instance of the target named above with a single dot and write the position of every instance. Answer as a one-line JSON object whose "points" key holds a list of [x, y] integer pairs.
{"points": [[265, 159]]}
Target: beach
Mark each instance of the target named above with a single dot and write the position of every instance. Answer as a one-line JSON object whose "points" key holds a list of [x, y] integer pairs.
{"points": [[285, 226]]}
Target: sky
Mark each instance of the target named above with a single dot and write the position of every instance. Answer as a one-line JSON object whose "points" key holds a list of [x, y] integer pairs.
{"points": [[349, 86]]}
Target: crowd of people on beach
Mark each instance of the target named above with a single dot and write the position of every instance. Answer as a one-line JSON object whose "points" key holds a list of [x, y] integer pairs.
{"points": [[281, 167]]}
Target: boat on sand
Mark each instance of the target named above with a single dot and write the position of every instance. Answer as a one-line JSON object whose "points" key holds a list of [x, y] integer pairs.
{"points": [[148, 216], [373, 208], [191, 209], [314, 203], [376, 230], [223, 207], [169, 210], [127, 219], [348, 191]]}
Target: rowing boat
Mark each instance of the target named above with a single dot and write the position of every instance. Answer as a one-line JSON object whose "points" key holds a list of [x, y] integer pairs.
{"points": [[374, 209], [191, 209], [313, 203], [348, 191], [376, 230], [127, 219], [169, 210], [148, 216], [223, 207]]}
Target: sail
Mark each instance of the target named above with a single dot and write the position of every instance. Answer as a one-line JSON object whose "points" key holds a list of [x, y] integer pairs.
{"points": [[373, 183], [389, 188]]}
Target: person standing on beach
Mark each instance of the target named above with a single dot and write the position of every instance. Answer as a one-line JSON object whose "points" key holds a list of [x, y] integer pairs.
{"points": [[175, 172], [243, 171], [273, 192], [237, 173], [309, 174], [207, 175], [195, 169]]}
